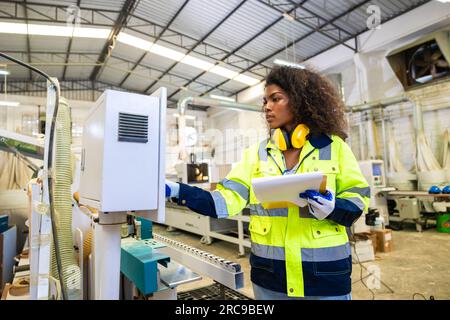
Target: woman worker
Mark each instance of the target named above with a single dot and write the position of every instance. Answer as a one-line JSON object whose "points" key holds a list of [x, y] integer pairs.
{"points": [[296, 252]]}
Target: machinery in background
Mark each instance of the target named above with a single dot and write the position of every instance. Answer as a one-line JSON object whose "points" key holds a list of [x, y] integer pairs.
{"points": [[197, 173], [405, 206], [378, 214], [193, 173], [202, 174]]}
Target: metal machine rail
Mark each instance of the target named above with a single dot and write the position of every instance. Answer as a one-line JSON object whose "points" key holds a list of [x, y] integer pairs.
{"points": [[223, 271]]}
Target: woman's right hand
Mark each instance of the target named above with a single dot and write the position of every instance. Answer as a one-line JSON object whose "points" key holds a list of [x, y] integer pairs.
{"points": [[172, 189]]}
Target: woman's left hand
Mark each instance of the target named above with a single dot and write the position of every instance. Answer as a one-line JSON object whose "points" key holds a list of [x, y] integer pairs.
{"points": [[320, 205]]}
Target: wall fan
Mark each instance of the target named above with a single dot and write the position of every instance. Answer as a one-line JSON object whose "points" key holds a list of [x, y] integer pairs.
{"points": [[427, 63]]}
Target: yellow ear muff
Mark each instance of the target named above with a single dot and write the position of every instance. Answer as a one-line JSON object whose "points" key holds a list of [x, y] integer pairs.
{"points": [[298, 137], [279, 139]]}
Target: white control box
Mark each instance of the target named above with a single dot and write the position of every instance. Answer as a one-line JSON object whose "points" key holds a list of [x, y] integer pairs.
{"points": [[123, 154], [373, 171]]}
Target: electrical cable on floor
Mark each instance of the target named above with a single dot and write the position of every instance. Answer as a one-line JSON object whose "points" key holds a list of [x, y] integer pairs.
{"points": [[361, 277], [418, 294], [423, 296]]}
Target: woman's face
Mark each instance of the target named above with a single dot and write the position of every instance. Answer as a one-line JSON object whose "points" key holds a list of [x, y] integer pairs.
{"points": [[276, 107]]}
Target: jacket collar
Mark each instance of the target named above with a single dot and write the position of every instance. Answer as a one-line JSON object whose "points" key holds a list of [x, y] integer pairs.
{"points": [[317, 141], [320, 141]]}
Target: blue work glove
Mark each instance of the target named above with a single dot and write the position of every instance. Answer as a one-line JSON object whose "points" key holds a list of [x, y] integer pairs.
{"points": [[172, 189], [320, 205]]}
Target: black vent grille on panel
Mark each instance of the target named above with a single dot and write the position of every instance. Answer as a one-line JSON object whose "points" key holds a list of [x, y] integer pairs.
{"points": [[133, 128]]}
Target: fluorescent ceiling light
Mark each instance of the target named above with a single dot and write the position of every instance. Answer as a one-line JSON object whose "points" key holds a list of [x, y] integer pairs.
{"points": [[9, 103], [242, 78], [197, 63], [444, 1], [4, 72], [288, 64], [84, 32], [53, 30], [224, 72], [166, 52], [134, 41], [214, 96], [43, 30], [186, 59], [16, 28], [91, 33]]}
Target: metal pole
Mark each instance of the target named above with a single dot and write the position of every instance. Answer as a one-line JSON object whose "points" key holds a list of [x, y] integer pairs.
{"points": [[378, 103], [383, 133]]}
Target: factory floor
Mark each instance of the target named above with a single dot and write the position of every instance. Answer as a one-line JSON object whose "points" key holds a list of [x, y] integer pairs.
{"points": [[418, 266]]}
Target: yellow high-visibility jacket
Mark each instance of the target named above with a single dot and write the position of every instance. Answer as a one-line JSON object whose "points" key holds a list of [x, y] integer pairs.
{"points": [[292, 251]]}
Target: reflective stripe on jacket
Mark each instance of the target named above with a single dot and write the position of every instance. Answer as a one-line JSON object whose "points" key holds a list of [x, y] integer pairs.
{"points": [[292, 251]]}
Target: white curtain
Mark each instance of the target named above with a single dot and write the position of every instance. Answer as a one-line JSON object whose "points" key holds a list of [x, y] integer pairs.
{"points": [[14, 173], [395, 165], [446, 154]]}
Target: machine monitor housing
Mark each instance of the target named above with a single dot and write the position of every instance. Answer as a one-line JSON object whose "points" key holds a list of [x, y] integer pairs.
{"points": [[123, 154], [373, 171]]}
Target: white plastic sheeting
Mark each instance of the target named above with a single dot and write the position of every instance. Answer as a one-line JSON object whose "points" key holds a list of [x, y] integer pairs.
{"points": [[395, 165], [426, 161], [446, 153], [14, 173], [373, 146]]}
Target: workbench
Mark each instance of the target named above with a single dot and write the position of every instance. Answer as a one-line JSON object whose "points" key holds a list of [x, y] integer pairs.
{"points": [[422, 221]]}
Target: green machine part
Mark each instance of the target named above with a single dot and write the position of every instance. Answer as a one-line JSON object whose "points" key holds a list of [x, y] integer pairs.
{"points": [[443, 222], [139, 263], [146, 228]]}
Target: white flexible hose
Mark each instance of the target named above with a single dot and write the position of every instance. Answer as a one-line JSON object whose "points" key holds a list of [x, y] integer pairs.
{"points": [[372, 140], [395, 165], [426, 161], [62, 200], [446, 153]]}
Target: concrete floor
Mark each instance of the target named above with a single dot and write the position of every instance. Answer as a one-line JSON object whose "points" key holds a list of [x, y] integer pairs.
{"points": [[419, 263]]}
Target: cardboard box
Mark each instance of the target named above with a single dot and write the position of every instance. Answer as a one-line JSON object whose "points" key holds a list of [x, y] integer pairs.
{"points": [[367, 236], [362, 251], [384, 240]]}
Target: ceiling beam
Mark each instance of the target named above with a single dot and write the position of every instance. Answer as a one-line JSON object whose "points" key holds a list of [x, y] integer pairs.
{"points": [[355, 7], [237, 49], [69, 47], [128, 7], [25, 10], [88, 54], [359, 33], [199, 42], [301, 6], [157, 38], [302, 22], [90, 18]]}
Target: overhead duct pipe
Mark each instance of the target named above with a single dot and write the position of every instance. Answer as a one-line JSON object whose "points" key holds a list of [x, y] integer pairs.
{"points": [[205, 102], [382, 103]]}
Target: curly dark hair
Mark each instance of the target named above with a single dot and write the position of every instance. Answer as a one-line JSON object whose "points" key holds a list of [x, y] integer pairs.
{"points": [[313, 99]]}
